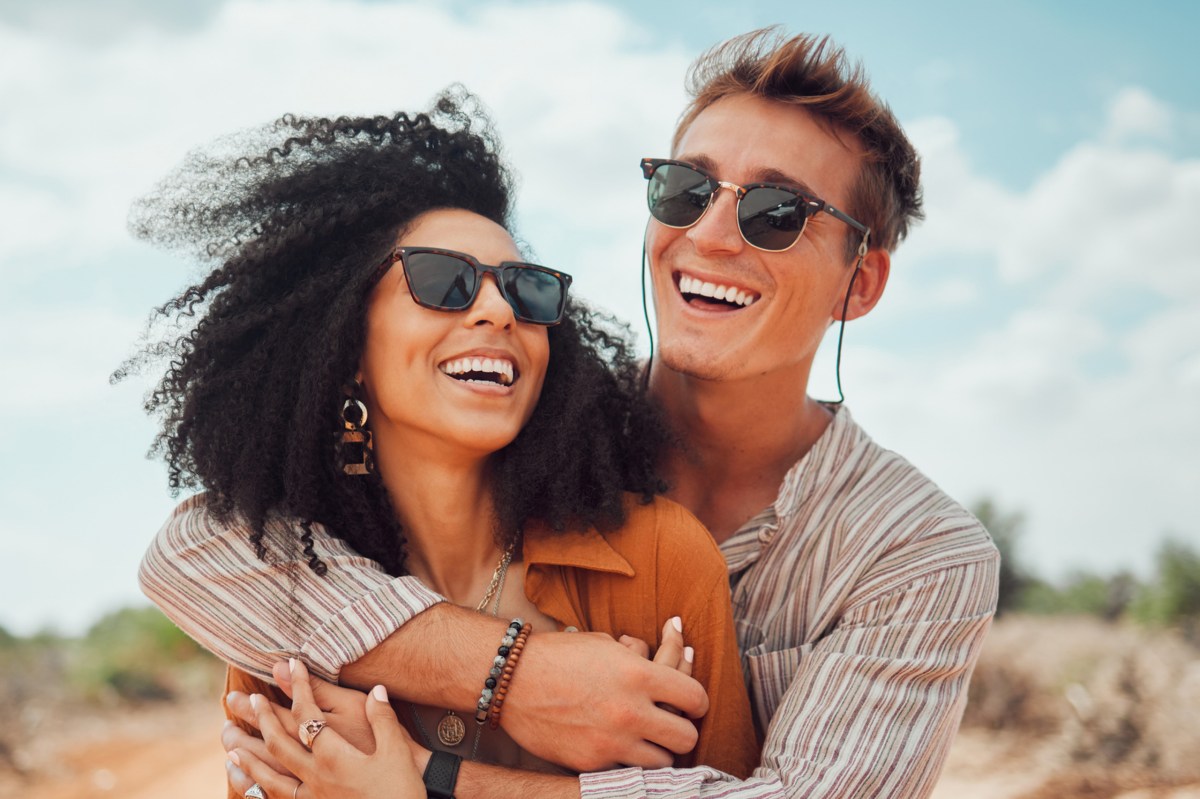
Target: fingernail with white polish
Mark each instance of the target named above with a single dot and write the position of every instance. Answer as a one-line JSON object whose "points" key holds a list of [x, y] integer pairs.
{"points": [[689, 654], [255, 699], [380, 693], [291, 665], [234, 759], [677, 623]]}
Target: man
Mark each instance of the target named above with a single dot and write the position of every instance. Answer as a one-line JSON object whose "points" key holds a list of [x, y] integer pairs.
{"points": [[861, 592]]}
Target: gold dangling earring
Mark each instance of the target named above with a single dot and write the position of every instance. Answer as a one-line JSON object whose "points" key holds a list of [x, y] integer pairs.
{"points": [[356, 448]]}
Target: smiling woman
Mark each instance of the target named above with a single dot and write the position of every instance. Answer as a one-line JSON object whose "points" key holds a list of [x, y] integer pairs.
{"points": [[375, 370]]}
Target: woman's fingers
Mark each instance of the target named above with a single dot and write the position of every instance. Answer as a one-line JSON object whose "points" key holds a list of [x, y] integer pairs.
{"points": [[239, 704], [239, 780], [247, 766], [304, 706], [234, 737], [670, 649], [390, 738]]}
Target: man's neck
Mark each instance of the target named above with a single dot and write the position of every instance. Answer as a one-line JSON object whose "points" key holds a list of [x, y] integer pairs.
{"points": [[738, 439]]}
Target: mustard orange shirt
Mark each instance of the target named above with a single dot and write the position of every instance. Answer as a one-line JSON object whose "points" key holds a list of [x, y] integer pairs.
{"points": [[662, 562]]}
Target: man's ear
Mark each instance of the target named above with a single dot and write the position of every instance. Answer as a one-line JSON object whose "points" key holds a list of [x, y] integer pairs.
{"points": [[868, 285]]}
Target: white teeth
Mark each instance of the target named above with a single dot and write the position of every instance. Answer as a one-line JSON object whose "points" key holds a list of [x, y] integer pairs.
{"points": [[695, 286], [497, 366]]}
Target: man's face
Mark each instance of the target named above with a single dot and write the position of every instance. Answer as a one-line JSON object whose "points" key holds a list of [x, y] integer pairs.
{"points": [[797, 293]]}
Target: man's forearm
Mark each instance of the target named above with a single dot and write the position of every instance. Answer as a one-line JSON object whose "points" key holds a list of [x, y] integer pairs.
{"points": [[478, 781], [439, 657]]}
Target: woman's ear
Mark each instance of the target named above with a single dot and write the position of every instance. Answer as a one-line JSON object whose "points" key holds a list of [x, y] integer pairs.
{"points": [[868, 285]]}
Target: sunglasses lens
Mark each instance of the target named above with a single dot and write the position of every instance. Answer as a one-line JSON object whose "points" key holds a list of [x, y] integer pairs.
{"points": [[535, 296], [772, 219], [677, 195], [440, 281]]}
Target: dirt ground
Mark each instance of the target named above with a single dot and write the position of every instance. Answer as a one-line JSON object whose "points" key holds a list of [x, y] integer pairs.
{"points": [[174, 753]]}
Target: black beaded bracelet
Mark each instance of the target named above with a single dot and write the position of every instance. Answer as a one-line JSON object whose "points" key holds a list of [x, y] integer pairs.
{"points": [[483, 708]]}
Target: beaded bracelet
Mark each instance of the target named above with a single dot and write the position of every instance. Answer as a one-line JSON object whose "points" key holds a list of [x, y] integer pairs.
{"points": [[489, 685], [506, 675]]}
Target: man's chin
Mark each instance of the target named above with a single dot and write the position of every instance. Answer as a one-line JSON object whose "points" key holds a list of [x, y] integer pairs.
{"points": [[693, 365]]}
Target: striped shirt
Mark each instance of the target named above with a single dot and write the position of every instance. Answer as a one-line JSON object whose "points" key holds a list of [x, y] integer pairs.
{"points": [[861, 597]]}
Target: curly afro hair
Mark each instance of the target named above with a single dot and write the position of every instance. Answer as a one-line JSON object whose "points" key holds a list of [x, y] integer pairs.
{"points": [[264, 346]]}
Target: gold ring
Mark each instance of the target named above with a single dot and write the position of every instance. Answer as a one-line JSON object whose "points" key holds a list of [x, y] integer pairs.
{"points": [[309, 730]]}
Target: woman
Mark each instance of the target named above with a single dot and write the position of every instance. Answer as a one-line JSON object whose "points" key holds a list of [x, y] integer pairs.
{"points": [[373, 355]]}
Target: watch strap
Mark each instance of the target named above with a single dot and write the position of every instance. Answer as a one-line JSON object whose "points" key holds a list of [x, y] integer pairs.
{"points": [[441, 774]]}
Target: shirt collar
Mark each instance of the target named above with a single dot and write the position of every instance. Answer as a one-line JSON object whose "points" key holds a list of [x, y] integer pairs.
{"points": [[580, 549], [812, 470]]}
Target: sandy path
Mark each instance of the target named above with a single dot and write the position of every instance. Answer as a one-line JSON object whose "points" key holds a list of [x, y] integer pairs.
{"points": [[171, 754], [174, 753]]}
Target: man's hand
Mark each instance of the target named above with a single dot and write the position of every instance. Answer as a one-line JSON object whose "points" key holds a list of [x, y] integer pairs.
{"points": [[591, 703]]}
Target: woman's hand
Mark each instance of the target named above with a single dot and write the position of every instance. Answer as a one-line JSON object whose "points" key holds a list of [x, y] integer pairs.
{"points": [[671, 651], [333, 769]]}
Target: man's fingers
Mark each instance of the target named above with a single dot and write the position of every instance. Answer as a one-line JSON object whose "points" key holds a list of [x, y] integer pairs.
{"points": [[672, 687], [647, 755], [274, 784], [665, 728], [635, 645], [670, 649], [234, 737]]}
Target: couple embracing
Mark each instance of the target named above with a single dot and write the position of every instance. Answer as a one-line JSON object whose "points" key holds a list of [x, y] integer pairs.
{"points": [[521, 563]]}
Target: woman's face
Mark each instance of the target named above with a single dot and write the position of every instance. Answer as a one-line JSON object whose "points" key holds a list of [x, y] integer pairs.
{"points": [[412, 354]]}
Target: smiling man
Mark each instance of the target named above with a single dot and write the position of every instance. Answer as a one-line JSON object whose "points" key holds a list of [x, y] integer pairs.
{"points": [[861, 592]]}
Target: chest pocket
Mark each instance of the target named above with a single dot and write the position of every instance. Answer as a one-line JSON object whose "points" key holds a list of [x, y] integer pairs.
{"points": [[769, 675]]}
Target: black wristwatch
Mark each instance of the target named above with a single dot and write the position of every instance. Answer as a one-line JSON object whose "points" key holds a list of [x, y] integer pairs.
{"points": [[441, 774]]}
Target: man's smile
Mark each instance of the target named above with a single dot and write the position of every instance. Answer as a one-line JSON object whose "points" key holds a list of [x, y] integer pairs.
{"points": [[700, 293]]}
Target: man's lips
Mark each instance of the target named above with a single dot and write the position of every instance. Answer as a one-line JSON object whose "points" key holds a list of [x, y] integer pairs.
{"points": [[714, 294]]}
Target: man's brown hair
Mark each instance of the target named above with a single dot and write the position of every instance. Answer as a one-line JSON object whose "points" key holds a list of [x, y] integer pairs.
{"points": [[815, 74]]}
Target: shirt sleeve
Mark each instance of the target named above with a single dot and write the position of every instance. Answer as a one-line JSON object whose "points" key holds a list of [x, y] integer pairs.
{"points": [[205, 575], [871, 707]]}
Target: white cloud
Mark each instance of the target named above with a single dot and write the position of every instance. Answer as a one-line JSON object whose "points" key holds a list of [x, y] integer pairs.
{"points": [[1076, 398], [577, 97], [1052, 407], [1135, 113]]}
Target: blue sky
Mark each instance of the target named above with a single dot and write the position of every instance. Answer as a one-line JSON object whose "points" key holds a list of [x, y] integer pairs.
{"points": [[1039, 341]]}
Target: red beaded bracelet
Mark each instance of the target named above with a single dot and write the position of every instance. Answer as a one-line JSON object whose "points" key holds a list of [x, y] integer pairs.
{"points": [[506, 674]]}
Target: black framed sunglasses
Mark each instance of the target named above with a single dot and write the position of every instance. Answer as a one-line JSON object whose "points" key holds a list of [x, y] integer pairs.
{"points": [[445, 280], [770, 216]]}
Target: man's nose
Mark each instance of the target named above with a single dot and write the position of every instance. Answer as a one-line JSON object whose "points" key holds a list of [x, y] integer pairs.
{"points": [[717, 230]]}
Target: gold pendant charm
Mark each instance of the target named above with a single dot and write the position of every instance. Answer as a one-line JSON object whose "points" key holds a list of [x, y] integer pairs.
{"points": [[451, 730]]}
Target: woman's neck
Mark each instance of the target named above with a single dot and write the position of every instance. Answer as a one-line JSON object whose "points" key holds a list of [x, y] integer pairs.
{"points": [[445, 507]]}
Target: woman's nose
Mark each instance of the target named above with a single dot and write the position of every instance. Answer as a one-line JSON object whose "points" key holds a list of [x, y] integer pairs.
{"points": [[490, 307]]}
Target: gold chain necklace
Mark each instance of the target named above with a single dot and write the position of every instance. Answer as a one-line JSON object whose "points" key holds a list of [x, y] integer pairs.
{"points": [[451, 729]]}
